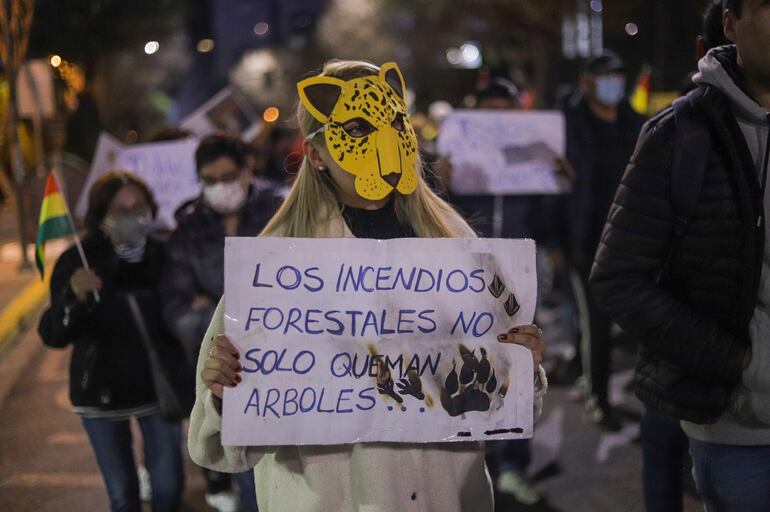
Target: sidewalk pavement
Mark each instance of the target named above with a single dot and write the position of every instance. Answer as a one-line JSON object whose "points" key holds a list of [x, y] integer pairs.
{"points": [[46, 461], [22, 296]]}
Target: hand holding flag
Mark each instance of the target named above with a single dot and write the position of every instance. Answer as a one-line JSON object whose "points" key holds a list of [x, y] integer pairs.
{"points": [[55, 222]]}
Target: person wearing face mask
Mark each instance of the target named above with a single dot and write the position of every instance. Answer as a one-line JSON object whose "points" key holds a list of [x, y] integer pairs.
{"points": [[601, 133], [110, 377], [232, 203], [381, 196]]}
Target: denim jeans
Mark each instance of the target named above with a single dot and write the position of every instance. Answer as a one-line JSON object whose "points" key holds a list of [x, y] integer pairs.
{"points": [[112, 444], [247, 491], [731, 478], [664, 445]]}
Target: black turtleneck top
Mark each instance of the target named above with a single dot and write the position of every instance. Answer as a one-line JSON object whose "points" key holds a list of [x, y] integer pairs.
{"points": [[382, 224]]}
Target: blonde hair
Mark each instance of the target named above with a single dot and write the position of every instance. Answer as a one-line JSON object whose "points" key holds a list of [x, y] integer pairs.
{"points": [[312, 200]]}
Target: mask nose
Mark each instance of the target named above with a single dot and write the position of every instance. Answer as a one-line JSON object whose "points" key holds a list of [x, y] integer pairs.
{"points": [[392, 179], [388, 156]]}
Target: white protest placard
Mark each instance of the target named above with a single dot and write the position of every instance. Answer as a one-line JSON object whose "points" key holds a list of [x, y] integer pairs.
{"points": [[503, 152], [168, 168], [226, 111], [355, 340]]}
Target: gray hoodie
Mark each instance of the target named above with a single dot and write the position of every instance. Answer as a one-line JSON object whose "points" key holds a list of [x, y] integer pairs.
{"points": [[747, 422]]}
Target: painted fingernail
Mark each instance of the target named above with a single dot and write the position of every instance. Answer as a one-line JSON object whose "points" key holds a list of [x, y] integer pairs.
{"points": [[236, 355], [514, 330], [237, 378], [240, 367], [502, 337]]}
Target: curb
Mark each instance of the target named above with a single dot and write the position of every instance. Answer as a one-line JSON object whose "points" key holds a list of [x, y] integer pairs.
{"points": [[23, 309]]}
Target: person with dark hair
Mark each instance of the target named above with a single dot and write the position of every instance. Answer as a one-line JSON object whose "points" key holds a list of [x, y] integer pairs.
{"points": [[712, 34], [110, 377], [232, 203], [684, 262], [734, 6], [601, 132]]}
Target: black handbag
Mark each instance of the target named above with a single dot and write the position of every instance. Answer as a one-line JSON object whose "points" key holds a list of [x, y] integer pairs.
{"points": [[173, 379]]}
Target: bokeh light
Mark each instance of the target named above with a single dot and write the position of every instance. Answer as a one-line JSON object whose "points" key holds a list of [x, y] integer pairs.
{"points": [[271, 114], [205, 45]]}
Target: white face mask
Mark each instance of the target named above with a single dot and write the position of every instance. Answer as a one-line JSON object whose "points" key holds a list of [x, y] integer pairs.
{"points": [[610, 89], [225, 197]]}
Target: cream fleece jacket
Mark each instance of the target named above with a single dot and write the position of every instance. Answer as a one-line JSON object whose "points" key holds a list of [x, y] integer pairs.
{"points": [[369, 477]]}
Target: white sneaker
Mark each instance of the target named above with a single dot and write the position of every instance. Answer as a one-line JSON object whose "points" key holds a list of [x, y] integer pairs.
{"points": [[517, 485], [145, 485], [225, 501]]}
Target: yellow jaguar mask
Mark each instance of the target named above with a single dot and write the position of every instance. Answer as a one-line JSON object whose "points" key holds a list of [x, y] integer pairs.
{"points": [[367, 130]]}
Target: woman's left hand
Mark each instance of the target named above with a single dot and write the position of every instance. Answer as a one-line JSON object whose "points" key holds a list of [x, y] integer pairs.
{"points": [[528, 336]]}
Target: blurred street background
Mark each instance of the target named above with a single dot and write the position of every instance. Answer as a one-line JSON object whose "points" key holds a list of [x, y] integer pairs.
{"points": [[128, 69]]}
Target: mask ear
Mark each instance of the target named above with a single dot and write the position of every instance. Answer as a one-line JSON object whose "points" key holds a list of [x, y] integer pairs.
{"points": [[390, 74], [319, 95]]}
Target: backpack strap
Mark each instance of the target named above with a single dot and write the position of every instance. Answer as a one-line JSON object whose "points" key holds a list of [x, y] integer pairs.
{"points": [[692, 146]]}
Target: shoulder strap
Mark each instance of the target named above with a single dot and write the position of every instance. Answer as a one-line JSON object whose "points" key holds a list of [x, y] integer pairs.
{"points": [[692, 143]]}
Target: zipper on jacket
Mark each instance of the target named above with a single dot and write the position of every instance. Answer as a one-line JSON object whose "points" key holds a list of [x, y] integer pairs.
{"points": [[763, 183]]}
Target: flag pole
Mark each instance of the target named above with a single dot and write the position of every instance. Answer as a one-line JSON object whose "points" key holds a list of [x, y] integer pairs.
{"points": [[78, 245]]}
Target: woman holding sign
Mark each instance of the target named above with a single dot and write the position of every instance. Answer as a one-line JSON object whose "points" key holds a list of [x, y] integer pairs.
{"points": [[361, 177]]}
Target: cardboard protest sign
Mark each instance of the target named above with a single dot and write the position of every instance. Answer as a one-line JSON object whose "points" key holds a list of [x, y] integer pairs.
{"points": [[354, 340], [226, 111], [168, 168], [504, 153]]}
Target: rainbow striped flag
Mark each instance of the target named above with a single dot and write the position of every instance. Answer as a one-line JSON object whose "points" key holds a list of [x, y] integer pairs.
{"points": [[54, 221]]}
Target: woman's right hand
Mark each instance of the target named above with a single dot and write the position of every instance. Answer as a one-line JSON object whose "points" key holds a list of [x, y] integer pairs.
{"points": [[84, 282], [222, 366]]}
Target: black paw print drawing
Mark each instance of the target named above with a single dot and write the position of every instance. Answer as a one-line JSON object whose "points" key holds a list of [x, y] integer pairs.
{"points": [[385, 383], [411, 386], [471, 389]]}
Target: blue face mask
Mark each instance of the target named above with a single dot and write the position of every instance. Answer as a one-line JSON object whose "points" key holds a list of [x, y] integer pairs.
{"points": [[610, 89]]}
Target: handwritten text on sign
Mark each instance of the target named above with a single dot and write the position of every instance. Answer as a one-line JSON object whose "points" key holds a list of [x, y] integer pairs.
{"points": [[352, 340], [168, 168]]}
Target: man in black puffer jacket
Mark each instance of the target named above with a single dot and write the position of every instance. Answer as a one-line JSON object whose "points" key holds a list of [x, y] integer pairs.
{"points": [[698, 304]]}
